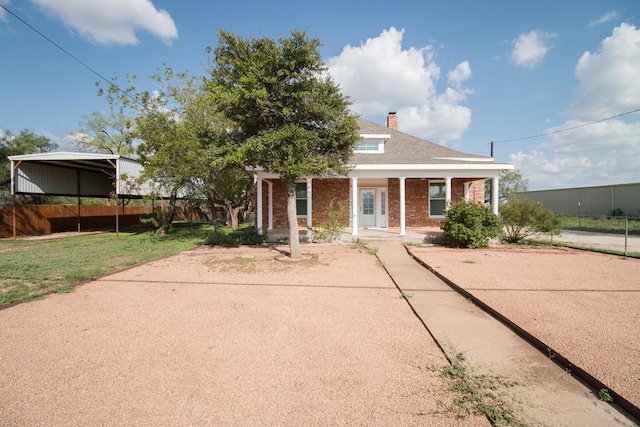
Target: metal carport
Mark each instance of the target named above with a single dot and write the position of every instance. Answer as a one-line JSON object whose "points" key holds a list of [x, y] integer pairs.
{"points": [[77, 175]]}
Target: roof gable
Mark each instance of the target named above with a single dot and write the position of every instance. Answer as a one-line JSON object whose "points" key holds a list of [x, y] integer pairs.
{"points": [[401, 148]]}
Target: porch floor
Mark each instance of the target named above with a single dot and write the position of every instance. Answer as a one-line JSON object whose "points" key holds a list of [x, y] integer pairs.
{"points": [[392, 234]]}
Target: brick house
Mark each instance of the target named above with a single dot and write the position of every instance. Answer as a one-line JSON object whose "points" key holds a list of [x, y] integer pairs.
{"points": [[396, 181]]}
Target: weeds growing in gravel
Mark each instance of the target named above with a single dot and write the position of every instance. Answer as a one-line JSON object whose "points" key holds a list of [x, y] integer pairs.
{"points": [[371, 250], [480, 394]]}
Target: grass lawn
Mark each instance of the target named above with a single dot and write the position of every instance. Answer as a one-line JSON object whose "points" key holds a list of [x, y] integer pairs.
{"points": [[600, 224], [30, 269]]}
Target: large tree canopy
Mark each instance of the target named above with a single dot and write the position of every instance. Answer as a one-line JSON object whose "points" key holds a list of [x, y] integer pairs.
{"points": [[290, 118]]}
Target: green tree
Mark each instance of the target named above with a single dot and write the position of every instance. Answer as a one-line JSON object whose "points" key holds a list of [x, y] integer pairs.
{"points": [[469, 224], [290, 117], [511, 182], [26, 142], [111, 132], [183, 141], [523, 218]]}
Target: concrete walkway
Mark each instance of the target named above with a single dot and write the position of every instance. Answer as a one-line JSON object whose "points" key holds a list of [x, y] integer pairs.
{"points": [[547, 395]]}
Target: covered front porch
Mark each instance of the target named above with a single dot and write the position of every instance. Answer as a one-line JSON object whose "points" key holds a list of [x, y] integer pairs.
{"points": [[411, 235], [383, 202]]}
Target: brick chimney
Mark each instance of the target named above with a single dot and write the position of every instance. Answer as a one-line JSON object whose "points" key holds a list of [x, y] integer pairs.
{"points": [[392, 120]]}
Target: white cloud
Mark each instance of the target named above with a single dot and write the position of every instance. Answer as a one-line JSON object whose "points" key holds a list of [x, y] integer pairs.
{"points": [[607, 17], [112, 22], [442, 117], [380, 76], [608, 79], [599, 153], [529, 49], [461, 73], [603, 137]]}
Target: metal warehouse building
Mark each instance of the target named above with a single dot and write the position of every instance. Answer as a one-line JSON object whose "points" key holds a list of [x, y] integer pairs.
{"points": [[589, 201]]}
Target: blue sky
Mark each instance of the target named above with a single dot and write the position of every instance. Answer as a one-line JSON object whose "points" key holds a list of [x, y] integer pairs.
{"points": [[459, 73]]}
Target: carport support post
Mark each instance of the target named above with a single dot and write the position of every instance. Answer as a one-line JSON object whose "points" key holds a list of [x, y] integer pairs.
{"points": [[78, 180], [14, 166], [115, 201], [14, 216]]}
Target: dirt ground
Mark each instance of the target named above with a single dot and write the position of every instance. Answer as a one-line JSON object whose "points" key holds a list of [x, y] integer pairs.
{"points": [[225, 337], [584, 305]]}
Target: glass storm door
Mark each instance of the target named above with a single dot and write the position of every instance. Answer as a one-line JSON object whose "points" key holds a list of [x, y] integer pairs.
{"points": [[368, 208]]}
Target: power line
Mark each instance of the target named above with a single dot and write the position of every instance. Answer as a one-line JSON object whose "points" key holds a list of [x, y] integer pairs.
{"points": [[566, 129], [109, 82]]}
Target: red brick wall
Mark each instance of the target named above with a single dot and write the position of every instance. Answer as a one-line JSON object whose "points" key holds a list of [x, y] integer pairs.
{"points": [[324, 190], [416, 193]]}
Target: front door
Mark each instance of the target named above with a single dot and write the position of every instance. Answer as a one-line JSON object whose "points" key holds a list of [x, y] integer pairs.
{"points": [[368, 208]]}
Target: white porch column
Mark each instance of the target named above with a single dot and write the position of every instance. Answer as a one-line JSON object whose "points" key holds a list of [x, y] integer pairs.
{"points": [[466, 190], [447, 192], [309, 206], [354, 206], [259, 204], [494, 195], [270, 205], [403, 222]]}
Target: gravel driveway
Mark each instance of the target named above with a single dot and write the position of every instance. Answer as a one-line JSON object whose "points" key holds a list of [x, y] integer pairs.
{"points": [[225, 337]]}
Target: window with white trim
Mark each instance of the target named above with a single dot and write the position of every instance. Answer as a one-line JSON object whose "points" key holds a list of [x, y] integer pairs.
{"points": [[301, 199], [437, 198], [369, 147]]}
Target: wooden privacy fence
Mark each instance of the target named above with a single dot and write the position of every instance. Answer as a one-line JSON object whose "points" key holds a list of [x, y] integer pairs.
{"points": [[46, 219]]}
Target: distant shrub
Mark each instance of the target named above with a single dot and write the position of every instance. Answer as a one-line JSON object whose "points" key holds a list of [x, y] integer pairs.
{"points": [[470, 225], [617, 212], [523, 218], [242, 236]]}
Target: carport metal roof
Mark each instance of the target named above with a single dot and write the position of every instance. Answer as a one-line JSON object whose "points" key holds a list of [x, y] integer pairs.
{"points": [[77, 174]]}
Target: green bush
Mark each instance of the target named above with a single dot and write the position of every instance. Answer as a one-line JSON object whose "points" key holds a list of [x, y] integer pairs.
{"points": [[241, 236], [523, 218], [617, 212], [470, 225]]}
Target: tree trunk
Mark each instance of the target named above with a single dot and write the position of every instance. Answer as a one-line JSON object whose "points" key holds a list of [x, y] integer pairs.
{"points": [[171, 212], [233, 215], [294, 235], [214, 215]]}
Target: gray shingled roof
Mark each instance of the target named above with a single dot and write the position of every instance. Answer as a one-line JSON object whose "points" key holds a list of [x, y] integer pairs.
{"points": [[402, 148]]}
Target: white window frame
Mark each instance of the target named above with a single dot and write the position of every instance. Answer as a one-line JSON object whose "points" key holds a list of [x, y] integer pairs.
{"points": [[444, 199], [378, 150], [305, 198]]}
